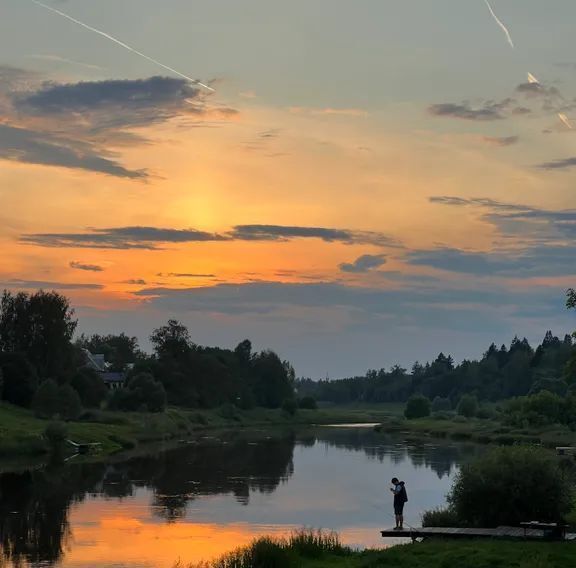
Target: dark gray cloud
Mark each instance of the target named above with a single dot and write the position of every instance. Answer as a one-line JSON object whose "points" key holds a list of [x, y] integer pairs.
{"points": [[37, 147], [135, 282], [524, 220], [533, 261], [284, 233], [87, 267], [431, 307], [563, 164], [364, 263], [120, 238], [151, 237], [92, 117], [488, 111], [500, 141], [47, 285], [543, 241], [537, 90]]}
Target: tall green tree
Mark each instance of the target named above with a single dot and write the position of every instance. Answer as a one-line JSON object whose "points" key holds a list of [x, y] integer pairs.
{"points": [[19, 379], [171, 340], [41, 325]]}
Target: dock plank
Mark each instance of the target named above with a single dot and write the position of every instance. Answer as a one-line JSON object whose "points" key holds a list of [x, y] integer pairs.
{"points": [[455, 532]]}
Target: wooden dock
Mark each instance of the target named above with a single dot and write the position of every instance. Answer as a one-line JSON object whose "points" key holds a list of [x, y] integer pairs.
{"points": [[505, 533]]}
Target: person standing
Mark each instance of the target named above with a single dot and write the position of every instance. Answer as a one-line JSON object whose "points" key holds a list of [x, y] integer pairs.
{"points": [[400, 498]]}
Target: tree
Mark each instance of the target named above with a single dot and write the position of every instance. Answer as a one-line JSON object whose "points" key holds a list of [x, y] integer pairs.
{"points": [[90, 387], [273, 380], [507, 486], [243, 351], [19, 379], [142, 393], [290, 406], [41, 325], [46, 403], [171, 340], [468, 406], [308, 403], [418, 406]]}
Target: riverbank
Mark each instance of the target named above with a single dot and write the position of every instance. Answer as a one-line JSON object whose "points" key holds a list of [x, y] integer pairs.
{"points": [[481, 431], [21, 432], [318, 550], [471, 554]]}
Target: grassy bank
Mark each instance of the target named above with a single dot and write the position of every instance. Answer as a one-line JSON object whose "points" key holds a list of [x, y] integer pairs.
{"points": [[317, 550], [21, 432], [480, 431]]}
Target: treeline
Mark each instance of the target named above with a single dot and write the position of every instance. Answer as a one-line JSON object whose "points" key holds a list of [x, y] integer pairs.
{"points": [[42, 367], [501, 373]]}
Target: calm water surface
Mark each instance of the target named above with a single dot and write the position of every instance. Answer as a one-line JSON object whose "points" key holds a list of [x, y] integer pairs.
{"points": [[202, 499]]}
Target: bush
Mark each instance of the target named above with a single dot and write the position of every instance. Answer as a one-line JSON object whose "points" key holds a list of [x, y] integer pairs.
{"points": [[446, 517], [142, 393], [56, 435], [459, 419], [46, 400], [290, 406], [418, 406], [509, 485], [440, 404], [468, 406], [69, 405], [308, 403], [90, 387], [228, 411]]}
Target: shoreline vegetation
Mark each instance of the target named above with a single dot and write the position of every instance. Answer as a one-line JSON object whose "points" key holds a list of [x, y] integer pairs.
{"points": [[315, 549], [22, 434]]}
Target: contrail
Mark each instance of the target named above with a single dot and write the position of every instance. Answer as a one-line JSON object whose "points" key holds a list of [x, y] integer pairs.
{"points": [[500, 23], [120, 43], [565, 120]]}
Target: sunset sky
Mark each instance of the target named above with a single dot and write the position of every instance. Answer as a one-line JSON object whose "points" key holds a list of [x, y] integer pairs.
{"points": [[371, 182]]}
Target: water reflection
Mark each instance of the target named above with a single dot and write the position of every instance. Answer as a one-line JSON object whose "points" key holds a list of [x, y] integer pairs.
{"points": [[178, 500]]}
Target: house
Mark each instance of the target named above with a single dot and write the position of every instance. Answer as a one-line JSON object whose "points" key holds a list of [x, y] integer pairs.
{"points": [[97, 362]]}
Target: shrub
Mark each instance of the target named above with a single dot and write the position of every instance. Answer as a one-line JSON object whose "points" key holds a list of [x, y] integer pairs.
{"points": [[459, 419], [468, 406], [446, 517], [290, 406], [90, 387], [46, 400], [418, 406], [509, 485], [69, 405], [228, 411], [56, 435], [440, 404], [308, 403]]}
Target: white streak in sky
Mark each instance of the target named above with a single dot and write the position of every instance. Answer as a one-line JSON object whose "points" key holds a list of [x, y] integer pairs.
{"points": [[532, 79], [565, 120], [500, 23], [120, 43]]}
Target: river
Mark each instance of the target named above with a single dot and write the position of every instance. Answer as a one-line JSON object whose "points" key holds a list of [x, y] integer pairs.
{"points": [[198, 500]]}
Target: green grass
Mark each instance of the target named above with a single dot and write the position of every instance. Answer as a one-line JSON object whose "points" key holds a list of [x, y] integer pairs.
{"points": [[315, 549], [21, 432], [482, 431]]}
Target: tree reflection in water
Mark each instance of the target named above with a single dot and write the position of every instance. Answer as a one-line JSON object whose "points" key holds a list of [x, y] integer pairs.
{"points": [[34, 505]]}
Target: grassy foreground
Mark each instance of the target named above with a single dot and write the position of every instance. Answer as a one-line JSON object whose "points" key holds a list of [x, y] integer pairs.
{"points": [[21, 432], [321, 550]]}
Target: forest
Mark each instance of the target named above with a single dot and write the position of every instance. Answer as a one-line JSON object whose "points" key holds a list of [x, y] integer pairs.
{"points": [[44, 367], [504, 372]]}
